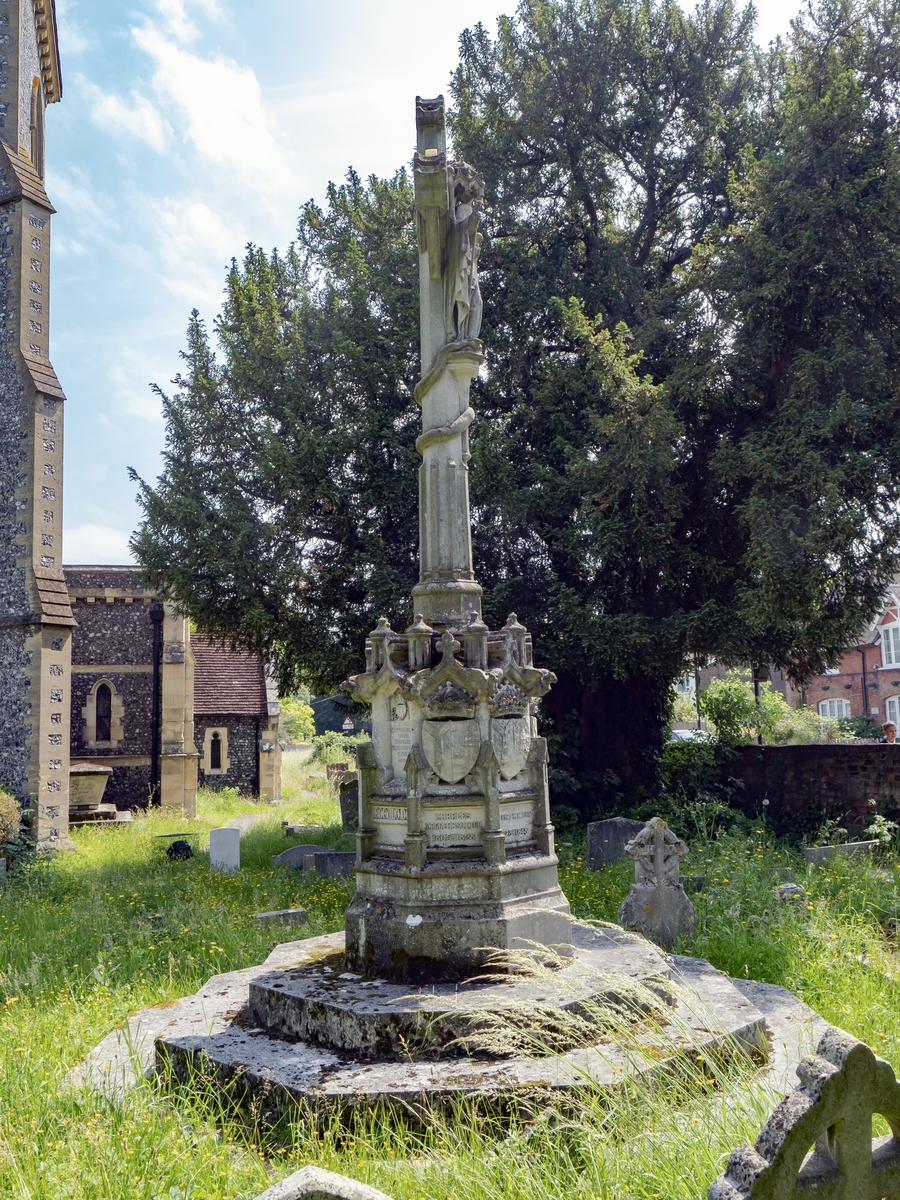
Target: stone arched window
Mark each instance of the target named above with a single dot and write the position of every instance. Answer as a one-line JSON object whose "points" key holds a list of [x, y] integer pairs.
{"points": [[103, 716], [37, 127], [215, 759]]}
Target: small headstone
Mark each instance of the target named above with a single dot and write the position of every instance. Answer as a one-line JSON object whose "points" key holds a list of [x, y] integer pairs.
{"points": [[789, 893], [333, 864], [225, 849], [284, 916], [333, 772], [606, 840], [349, 796], [656, 904], [294, 856], [2, 869]]}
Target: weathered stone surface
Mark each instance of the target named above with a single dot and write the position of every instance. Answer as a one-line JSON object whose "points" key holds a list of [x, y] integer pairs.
{"points": [[445, 919], [294, 856], [349, 798], [331, 864], [373, 1018], [312, 1183], [819, 1138], [128, 1053], [225, 849], [817, 856], [606, 840], [284, 916], [303, 832], [656, 904]]}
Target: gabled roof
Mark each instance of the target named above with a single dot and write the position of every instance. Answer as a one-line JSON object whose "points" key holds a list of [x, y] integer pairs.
{"points": [[227, 681]]}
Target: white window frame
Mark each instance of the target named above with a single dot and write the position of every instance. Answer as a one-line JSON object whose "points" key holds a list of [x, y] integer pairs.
{"points": [[890, 645], [835, 707], [892, 709]]}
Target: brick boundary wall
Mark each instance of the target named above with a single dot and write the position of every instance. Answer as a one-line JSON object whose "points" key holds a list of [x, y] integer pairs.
{"points": [[805, 782]]}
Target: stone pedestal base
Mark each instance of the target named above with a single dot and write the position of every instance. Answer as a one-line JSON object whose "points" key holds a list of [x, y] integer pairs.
{"points": [[212, 1034], [447, 919]]}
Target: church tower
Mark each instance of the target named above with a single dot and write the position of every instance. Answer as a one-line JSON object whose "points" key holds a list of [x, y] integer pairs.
{"points": [[35, 614]]}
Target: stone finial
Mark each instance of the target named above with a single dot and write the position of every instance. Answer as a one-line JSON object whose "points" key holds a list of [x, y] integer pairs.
{"points": [[656, 904], [379, 638], [312, 1183], [475, 639], [842, 1086], [419, 636], [516, 634]]}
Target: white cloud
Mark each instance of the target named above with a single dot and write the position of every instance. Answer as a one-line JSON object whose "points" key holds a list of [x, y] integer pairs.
{"points": [[138, 118], [196, 245], [221, 110], [90, 544], [178, 23]]}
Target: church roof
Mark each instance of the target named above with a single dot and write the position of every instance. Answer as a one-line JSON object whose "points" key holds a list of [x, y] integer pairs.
{"points": [[227, 681]]}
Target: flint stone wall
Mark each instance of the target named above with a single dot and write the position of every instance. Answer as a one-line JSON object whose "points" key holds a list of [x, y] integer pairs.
{"points": [[15, 660], [243, 751], [803, 782], [109, 635]]}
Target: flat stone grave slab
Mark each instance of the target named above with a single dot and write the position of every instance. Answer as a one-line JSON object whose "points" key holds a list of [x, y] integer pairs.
{"points": [[817, 856], [303, 832], [294, 856], [606, 840], [284, 916]]}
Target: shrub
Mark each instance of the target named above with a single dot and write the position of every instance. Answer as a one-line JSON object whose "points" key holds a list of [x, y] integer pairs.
{"points": [[730, 706], [332, 747], [297, 719], [860, 727], [10, 816]]}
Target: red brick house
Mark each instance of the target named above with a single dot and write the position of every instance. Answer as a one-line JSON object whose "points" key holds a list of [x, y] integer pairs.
{"points": [[866, 681]]}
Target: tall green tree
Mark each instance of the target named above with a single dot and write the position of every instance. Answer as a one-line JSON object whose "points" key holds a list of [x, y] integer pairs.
{"points": [[688, 436]]}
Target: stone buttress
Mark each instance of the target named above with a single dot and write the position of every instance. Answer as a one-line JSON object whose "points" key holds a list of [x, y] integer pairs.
{"points": [[35, 614]]}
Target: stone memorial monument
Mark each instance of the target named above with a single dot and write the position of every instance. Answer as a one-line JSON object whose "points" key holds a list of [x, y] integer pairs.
{"points": [[461, 971], [455, 846]]}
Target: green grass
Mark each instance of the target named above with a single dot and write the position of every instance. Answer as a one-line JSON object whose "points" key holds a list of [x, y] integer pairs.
{"points": [[89, 937]]}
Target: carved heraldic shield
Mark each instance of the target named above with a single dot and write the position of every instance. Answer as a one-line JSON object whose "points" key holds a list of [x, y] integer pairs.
{"points": [[451, 748], [512, 740]]}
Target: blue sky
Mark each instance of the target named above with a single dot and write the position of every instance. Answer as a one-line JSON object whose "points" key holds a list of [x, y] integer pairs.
{"points": [[187, 129]]}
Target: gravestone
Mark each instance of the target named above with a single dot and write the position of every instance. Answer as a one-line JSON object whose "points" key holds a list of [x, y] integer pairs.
{"points": [[284, 916], [818, 1140], [606, 840], [330, 864], [294, 856], [225, 849], [656, 904]]}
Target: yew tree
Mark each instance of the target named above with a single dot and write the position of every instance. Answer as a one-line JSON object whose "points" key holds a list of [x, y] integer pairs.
{"points": [[688, 441]]}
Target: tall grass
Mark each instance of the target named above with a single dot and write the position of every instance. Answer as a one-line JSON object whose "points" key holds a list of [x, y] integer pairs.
{"points": [[88, 937]]}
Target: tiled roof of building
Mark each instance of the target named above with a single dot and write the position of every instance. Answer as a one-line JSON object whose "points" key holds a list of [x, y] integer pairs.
{"points": [[225, 680]]}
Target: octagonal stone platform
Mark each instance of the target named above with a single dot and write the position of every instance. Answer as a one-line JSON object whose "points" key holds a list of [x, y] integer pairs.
{"points": [[699, 1011]]}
